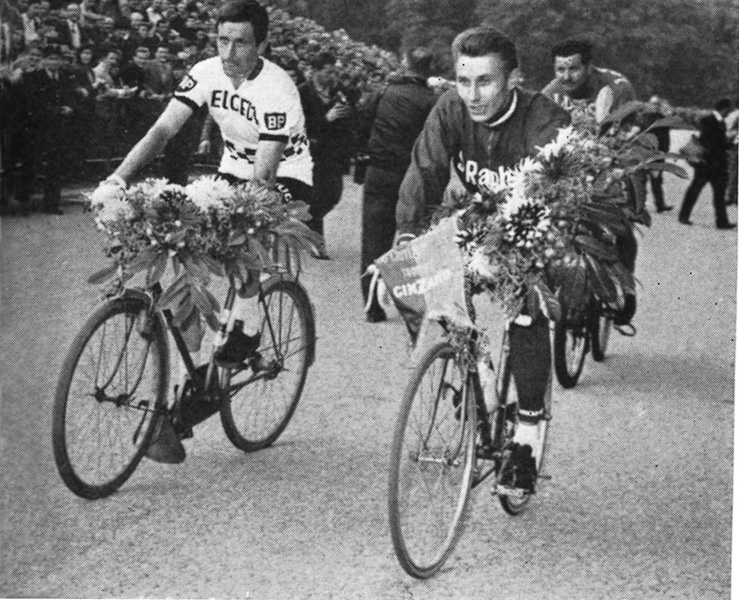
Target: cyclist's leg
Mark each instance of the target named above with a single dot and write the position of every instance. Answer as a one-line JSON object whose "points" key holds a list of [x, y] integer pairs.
{"points": [[626, 247], [530, 361], [244, 324]]}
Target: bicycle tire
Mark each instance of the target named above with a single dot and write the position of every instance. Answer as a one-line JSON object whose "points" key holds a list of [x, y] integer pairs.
{"points": [[117, 428], [512, 505], [569, 355], [244, 412], [413, 540], [600, 333]]}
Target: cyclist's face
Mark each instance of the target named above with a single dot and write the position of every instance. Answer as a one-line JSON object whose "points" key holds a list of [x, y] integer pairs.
{"points": [[571, 72], [238, 49], [482, 83]]}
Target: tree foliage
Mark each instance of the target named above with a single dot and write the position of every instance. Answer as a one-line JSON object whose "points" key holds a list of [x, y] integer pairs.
{"points": [[679, 49]]}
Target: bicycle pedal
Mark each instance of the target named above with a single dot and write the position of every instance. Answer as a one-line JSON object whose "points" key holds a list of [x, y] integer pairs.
{"points": [[504, 490]]}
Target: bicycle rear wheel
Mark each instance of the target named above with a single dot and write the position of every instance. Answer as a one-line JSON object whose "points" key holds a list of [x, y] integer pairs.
{"points": [[600, 333], [432, 461], [111, 387], [256, 412], [570, 348]]}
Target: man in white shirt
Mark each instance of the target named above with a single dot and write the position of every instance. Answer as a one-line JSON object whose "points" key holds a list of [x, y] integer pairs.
{"points": [[257, 108]]}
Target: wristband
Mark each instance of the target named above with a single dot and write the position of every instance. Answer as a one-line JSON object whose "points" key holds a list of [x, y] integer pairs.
{"points": [[405, 237], [116, 179]]}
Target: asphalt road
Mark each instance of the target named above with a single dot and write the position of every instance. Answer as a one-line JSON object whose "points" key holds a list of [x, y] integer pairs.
{"points": [[639, 504]]}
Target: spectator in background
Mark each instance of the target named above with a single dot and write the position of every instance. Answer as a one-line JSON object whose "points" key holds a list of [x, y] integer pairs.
{"points": [[732, 133], [159, 77], [50, 102], [657, 109], [70, 31], [394, 117], [32, 22], [329, 118], [713, 168]]}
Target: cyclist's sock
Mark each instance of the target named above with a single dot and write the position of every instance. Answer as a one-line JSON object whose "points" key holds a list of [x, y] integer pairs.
{"points": [[529, 433], [246, 310]]}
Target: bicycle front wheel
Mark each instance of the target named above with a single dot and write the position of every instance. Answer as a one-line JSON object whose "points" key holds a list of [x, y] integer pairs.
{"points": [[570, 347], [432, 462], [259, 405], [599, 334], [111, 387]]}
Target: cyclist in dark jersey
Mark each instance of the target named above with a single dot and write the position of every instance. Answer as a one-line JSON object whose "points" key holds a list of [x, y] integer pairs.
{"points": [[482, 125], [580, 86]]}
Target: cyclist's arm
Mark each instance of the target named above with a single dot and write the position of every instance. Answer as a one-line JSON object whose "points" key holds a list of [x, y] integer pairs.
{"points": [[152, 144], [267, 159], [428, 174]]}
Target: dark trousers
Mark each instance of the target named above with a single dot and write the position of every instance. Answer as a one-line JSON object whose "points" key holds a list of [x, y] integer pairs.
{"points": [[378, 217], [656, 180], [328, 183], [718, 179], [50, 150], [731, 188], [530, 360]]}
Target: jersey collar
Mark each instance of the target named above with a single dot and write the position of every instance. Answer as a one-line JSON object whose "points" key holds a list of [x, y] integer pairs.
{"points": [[505, 113]]}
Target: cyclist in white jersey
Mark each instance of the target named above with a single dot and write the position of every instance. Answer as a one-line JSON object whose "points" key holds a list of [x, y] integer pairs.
{"points": [[257, 107]]}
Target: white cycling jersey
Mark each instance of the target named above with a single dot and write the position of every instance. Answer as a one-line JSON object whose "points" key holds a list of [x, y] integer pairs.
{"points": [[265, 107]]}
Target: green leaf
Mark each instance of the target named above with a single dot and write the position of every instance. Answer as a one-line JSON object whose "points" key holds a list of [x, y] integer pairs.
{"points": [[215, 266], [157, 270], [590, 245], [103, 274], [670, 168], [602, 286], [144, 260], [192, 331], [548, 302], [175, 289]]}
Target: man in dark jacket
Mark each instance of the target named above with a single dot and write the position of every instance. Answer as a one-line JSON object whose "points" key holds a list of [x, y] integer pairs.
{"points": [[329, 116], [483, 125], [713, 168], [397, 114], [50, 101]]}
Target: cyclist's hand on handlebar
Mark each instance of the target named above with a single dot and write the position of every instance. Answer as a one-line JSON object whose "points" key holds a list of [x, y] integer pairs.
{"points": [[110, 189]]}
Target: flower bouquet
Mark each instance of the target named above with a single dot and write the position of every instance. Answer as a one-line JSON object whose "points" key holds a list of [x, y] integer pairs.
{"points": [[204, 229], [546, 233]]}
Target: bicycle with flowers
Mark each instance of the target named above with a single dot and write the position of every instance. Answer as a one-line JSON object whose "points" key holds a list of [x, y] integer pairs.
{"points": [[112, 397], [542, 241]]}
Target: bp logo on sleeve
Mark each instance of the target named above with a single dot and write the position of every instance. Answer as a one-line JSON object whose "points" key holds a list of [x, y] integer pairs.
{"points": [[186, 84], [275, 121]]}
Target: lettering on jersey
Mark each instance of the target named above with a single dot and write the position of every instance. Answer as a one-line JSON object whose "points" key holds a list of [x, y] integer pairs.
{"points": [[186, 84], [275, 120], [222, 99], [574, 106], [484, 179]]}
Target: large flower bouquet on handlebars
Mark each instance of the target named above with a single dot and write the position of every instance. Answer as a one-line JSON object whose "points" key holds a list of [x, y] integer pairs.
{"points": [[204, 229], [546, 234]]}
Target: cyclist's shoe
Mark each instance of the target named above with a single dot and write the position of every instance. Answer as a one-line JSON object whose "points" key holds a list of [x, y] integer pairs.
{"points": [[166, 447], [238, 349], [624, 316], [519, 472]]}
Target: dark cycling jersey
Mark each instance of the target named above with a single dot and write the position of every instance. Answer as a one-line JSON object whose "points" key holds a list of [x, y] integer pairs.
{"points": [[478, 151]]}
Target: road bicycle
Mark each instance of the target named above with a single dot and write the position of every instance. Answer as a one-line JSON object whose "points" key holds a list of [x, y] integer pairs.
{"points": [[449, 437], [111, 399], [575, 336]]}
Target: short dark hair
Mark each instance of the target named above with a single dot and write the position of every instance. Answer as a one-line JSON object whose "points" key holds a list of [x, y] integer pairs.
{"points": [[246, 11], [323, 59], [52, 50], [484, 40], [723, 104], [573, 46], [419, 60]]}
